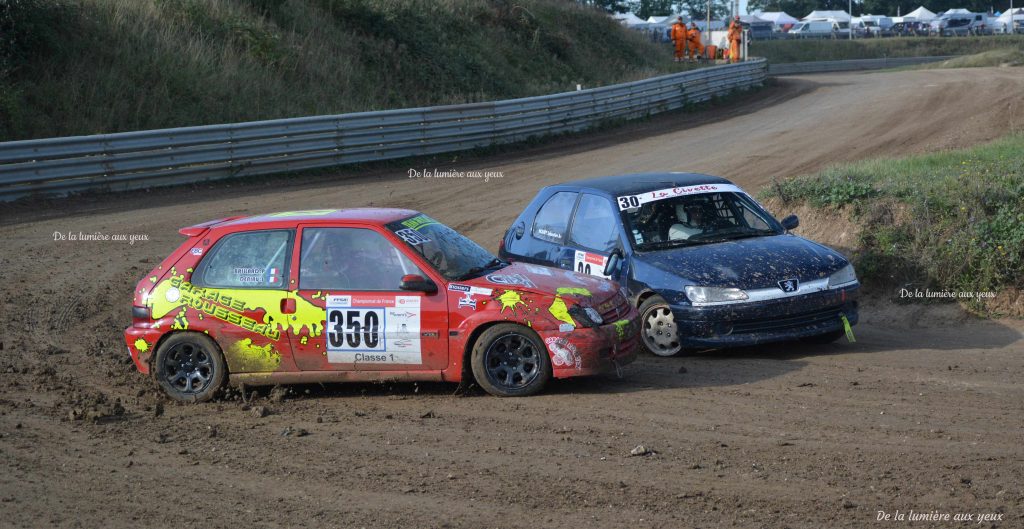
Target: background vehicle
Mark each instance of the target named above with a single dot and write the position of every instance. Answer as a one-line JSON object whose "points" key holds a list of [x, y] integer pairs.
{"points": [[911, 29], [960, 25], [361, 295], [703, 262], [758, 30], [812, 29]]}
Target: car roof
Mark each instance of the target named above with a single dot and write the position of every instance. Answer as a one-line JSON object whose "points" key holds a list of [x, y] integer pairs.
{"points": [[377, 216], [631, 184]]}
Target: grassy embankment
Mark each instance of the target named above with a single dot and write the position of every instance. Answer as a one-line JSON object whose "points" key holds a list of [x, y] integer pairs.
{"points": [[952, 220], [781, 51], [72, 67], [1004, 57]]}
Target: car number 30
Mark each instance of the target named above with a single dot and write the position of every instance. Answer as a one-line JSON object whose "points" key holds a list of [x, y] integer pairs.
{"points": [[629, 202], [354, 329]]}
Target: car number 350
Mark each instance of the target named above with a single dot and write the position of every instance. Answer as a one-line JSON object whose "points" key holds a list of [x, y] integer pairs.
{"points": [[354, 329]]}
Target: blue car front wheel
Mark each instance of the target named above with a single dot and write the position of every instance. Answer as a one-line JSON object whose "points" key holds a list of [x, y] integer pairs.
{"points": [[660, 333]]}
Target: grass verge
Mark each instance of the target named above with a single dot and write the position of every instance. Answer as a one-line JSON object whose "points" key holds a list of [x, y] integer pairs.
{"points": [[70, 67], [950, 221], [782, 51], [1004, 57]]}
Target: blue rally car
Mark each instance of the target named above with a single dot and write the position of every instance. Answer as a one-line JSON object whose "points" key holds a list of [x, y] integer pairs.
{"points": [[705, 264]]}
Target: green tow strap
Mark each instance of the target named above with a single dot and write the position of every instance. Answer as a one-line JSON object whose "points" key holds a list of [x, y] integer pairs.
{"points": [[847, 328]]}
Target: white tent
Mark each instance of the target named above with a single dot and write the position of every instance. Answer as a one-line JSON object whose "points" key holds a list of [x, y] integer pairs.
{"points": [[921, 14], [1002, 23], [838, 16], [628, 19], [957, 12], [1017, 13], [668, 19], [779, 18]]}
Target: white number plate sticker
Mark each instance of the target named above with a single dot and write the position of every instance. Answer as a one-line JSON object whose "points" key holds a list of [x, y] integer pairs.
{"points": [[373, 329]]}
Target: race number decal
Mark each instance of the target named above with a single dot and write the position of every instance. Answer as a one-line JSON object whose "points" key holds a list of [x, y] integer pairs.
{"points": [[373, 329], [591, 264], [635, 201]]}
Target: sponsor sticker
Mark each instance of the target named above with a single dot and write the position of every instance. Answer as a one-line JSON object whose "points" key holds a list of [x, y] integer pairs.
{"points": [[563, 353], [197, 251], [591, 264], [635, 201], [511, 279], [467, 301], [412, 236], [476, 291], [539, 270], [373, 329]]}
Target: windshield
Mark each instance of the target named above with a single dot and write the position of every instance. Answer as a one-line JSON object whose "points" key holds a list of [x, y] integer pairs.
{"points": [[453, 255], [697, 219]]}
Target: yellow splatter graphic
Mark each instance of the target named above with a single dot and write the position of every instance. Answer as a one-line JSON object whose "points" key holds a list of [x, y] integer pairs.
{"points": [[560, 311], [141, 345], [510, 300], [180, 321], [227, 305], [620, 328], [245, 357], [573, 291], [304, 340]]}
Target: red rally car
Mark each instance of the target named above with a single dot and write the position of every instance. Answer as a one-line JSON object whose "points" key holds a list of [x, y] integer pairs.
{"points": [[365, 295]]}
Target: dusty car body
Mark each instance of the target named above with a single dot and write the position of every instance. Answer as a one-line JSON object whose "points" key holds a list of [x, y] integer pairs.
{"points": [[366, 295], [739, 278]]}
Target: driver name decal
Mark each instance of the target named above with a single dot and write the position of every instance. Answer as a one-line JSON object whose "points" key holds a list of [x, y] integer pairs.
{"points": [[635, 201]]}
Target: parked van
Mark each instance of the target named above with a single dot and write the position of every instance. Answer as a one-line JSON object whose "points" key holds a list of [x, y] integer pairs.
{"points": [[813, 29], [961, 25]]}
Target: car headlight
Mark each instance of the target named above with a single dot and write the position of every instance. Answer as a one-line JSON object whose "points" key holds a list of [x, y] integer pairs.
{"points": [[698, 294], [587, 317], [844, 276]]}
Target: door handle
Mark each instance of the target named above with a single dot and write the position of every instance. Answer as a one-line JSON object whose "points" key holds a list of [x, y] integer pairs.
{"points": [[288, 306]]}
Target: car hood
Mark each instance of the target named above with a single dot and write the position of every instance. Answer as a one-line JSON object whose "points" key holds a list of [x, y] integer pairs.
{"points": [[758, 262], [543, 280]]}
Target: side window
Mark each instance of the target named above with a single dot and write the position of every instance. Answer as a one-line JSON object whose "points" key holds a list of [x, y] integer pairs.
{"points": [[351, 259], [595, 225], [553, 217], [252, 259]]}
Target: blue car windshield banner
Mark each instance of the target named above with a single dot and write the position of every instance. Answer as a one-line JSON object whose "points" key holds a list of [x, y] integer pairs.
{"points": [[635, 201]]}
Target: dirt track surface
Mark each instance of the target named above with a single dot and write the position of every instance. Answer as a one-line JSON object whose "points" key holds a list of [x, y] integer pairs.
{"points": [[923, 412]]}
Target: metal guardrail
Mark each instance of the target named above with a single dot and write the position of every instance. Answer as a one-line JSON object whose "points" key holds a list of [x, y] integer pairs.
{"points": [[132, 160], [795, 68]]}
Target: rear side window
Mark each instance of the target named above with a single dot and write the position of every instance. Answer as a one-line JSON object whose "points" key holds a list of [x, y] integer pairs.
{"points": [[252, 259], [595, 226], [553, 217]]}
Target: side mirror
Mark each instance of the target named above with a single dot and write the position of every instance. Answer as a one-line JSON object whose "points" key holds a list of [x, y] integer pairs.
{"points": [[612, 264], [418, 283], [790, 222]]}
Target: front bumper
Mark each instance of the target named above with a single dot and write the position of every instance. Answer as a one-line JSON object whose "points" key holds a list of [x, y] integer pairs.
{"points": [[591, 351], [766, 321], [141, 342]]}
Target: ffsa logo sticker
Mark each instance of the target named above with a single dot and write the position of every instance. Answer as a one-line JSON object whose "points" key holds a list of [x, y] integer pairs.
{"points": [[789, 285]]}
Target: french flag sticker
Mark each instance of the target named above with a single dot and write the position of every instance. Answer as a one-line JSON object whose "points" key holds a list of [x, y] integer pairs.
{"points": [[272, 276]]}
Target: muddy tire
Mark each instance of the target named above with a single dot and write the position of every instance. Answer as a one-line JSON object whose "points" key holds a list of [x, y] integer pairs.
{"points": [[658, 329], [189, 367], [828, 337], [510, 360]]}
